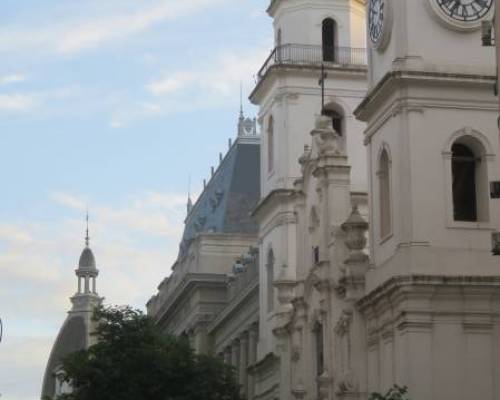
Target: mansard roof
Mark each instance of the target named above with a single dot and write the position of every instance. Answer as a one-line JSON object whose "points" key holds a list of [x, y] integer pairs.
{"points": [[230, 195]]}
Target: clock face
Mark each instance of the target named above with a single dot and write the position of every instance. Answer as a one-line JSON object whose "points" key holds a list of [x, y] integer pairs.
{"points": [[376, 19], [465, 10]]}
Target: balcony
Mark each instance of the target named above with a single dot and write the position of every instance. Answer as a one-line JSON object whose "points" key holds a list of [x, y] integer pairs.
{"points": [[300, 55]]}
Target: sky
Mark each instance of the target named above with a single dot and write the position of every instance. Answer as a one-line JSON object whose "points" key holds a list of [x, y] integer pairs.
{"points": [[113, 105]]}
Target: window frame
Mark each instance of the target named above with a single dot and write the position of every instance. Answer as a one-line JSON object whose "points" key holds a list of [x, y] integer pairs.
{"points": [[384, 235], [325, 30], [468, 135]]}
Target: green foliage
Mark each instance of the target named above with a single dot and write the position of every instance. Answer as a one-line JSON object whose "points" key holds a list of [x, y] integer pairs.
{"points": [[394, 393], [132, 360]]}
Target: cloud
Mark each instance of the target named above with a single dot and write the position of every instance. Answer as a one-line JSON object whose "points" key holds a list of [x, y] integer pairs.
{"points": [[14, 234], [171, 83], [213, 84], [78, 35], [41, 99], [14, 78], [153, 213], [69, 201], [16, 102], [220, 77]]}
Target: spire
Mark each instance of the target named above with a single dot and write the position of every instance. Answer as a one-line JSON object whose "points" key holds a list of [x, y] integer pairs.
{"points": [[87, 238], [87, 269], [189, 201], [241, 119], [241, 101]]}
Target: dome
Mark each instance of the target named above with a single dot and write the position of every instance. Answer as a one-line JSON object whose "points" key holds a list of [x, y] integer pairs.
{"points": [[87, 259]]}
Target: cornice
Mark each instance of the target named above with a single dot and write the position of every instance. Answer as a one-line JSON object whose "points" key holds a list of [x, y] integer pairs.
{"points": [[188, 283], [334, 71], [272, 197], [387, 85], [398, 283]]}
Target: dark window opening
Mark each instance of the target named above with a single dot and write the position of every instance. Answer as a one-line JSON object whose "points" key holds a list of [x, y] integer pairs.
{"points": [[329, 28], [337, 120], [464, 183], [316, 255], [320, 353]]}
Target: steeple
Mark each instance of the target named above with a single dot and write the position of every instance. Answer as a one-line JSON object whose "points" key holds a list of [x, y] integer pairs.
{"points": [[87, 271], [189, 201], [76, 332], [241, 119], [87, 238], [246, 126]]}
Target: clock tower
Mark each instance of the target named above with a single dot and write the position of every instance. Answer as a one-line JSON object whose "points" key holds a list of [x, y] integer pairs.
{"points": [[432, 301]]}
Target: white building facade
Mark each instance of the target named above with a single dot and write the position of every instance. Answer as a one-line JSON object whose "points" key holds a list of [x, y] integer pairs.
{"points": [[371, 263]]}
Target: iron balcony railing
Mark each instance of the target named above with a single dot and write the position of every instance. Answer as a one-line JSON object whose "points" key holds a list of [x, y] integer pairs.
{"points": [[304, 55]]}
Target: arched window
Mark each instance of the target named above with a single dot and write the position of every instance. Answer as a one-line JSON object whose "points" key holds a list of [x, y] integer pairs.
{"points": [[270, 144], [384, 194], [463, 169], [337, 120], [270, 280], [469, 180], [329, 39]]}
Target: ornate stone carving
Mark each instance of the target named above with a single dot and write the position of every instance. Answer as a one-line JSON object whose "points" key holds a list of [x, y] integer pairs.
{"points": [[346, 384], [356, 265], [327, 141], [355, 228]]}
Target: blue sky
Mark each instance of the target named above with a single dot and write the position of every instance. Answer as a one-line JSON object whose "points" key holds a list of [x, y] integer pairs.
{"points": [[113, 104]]}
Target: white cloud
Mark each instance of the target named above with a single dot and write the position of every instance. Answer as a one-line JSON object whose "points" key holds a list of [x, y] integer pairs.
{"points": [[16, 102], [214, 84], [14, 78], [77, 35], [69, 201], [14, 234], [221, 77], [171, 84]]}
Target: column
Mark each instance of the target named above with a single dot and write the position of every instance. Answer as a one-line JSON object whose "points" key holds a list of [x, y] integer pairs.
{"points": [[87, 284], [227, 355], [79, 285], [243, 363], [235, 349], [93, 285], [252, 358]]}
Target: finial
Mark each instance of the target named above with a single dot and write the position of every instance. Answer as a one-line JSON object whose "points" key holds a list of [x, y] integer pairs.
{"points": [[189, 201], [87, 238], [241, 119], [241, 99]]}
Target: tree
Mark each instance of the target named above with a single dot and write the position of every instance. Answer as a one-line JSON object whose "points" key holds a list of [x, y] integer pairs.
{"points": [[132, 360], [394, 393]]}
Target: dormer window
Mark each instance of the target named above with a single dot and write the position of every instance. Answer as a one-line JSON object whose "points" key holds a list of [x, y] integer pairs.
{"points": [[329, 39]]}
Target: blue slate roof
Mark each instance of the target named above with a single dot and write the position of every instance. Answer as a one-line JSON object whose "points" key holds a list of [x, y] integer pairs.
{"points": [[228, 199]]}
